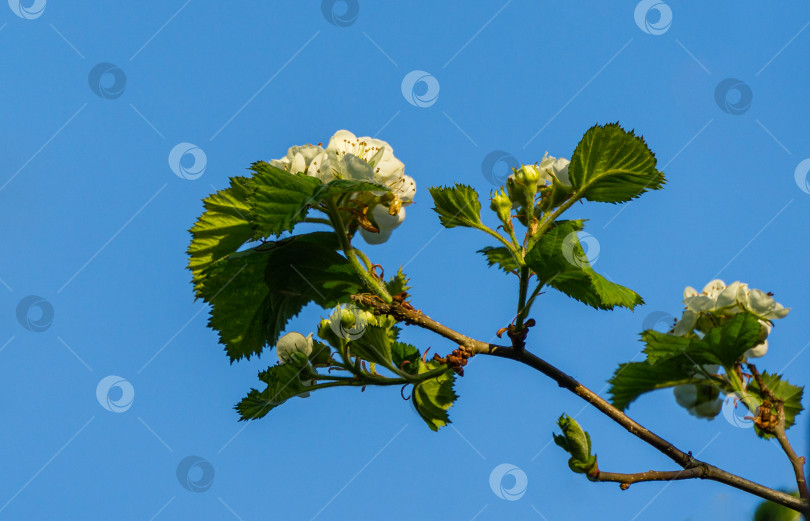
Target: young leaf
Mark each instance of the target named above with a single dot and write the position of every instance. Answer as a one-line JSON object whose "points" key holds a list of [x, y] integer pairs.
{"points": [[783, 390], [612, 165], [401, 353], [222, 228], [398, 283], [457, 206], [374, 345], [433, 397], [560, 262], [501, 257], [283, 382], [577, 443]]}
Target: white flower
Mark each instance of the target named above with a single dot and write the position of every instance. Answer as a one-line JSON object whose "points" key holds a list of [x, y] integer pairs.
{"points": [[363, 159], [293, 343], [760, 350], [695, 400], [298, 158], [764, 306], [555, 167], [385, 222], [686, 324]]}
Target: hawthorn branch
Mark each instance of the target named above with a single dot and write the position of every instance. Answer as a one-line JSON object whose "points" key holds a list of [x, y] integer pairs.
{"points": [[796, 461], [684, 459]]}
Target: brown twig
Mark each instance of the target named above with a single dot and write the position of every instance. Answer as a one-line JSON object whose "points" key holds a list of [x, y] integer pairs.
{"points": [[651, 475], [684, 459]]}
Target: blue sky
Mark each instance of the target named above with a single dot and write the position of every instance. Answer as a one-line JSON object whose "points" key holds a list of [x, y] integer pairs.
{"points": [[95, 223]]}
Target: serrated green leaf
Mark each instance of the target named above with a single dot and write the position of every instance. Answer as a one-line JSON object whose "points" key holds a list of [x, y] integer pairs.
{"points": [[433, 397], [222, 228], [398, 283], [633, 379], [374, 345], [613, 165], [255, 293], [783, 390], [280, 200], [560, 262], [401, 353], [283, 382], [662, 346], [457, 205], [501, 257]]}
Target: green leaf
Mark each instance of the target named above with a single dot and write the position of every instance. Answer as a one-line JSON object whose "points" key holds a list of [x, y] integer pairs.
{"points": [[374, 345], [633, 379], [401, 353], [559, 261], [501, 257], [281, 199], [254, 293], [613, 165], [222, 228], [783, 390], [577, 443], [433, 397], [283, 382], [398, 283], [457, 206]]}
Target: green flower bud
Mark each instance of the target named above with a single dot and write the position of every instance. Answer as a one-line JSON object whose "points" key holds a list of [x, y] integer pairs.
{"points": [[528, 175], [326, 333], [347, 319], [501, 205]]}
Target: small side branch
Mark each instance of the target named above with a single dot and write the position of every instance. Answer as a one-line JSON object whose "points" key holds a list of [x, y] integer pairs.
{"points": [[626, 480]]}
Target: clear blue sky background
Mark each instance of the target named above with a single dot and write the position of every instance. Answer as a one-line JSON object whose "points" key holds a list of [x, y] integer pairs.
{"points": [[95, 222]]}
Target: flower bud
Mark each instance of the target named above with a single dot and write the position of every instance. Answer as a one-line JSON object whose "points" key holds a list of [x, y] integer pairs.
{"points": [[501, 205]]}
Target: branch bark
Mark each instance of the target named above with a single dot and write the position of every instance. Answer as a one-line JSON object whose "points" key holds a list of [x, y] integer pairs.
{"points": [[409, 315], [651, 475]]}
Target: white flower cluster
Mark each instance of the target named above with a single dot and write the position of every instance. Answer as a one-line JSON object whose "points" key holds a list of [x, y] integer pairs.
{"points": [[703, 310], [362, 159]]}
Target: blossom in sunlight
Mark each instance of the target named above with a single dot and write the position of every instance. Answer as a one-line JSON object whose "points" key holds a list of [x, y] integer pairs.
{"points": [[293, 343], [298, 158], [381, 216]]}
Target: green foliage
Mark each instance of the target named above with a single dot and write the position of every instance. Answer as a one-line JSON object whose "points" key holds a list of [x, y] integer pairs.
{"points": [[280, 200], [434, 396], [612, 165], [255, 293], [783, 390], [769, 511], [398, 283], [577, 443], [283, 382], [401, 353], [633, 379], [457, 206], [501, 257], [560, 262]]}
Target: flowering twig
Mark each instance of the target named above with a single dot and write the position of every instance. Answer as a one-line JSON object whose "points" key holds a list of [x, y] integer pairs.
{"points": [[684, 459]]}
